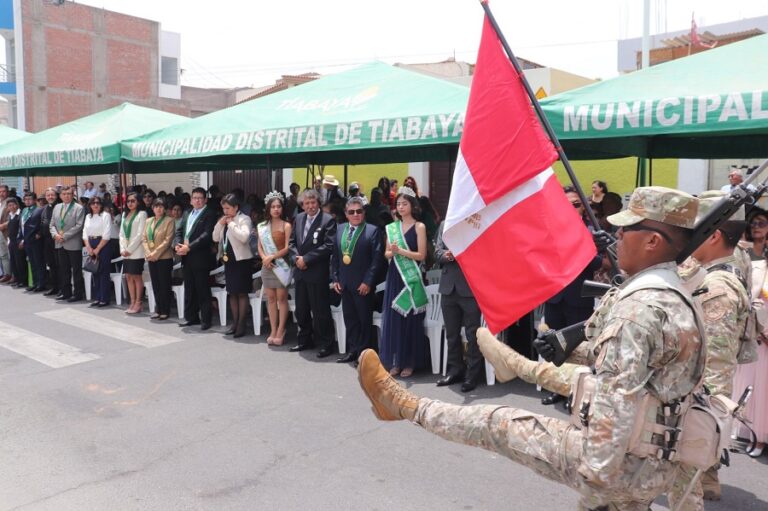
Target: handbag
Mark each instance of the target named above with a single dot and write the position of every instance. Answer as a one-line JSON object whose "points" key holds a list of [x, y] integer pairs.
{"points": [[91, 264]]}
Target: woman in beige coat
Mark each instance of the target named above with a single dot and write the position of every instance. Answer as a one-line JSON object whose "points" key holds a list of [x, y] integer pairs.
{"points": [[233, 232], [157, 241]]}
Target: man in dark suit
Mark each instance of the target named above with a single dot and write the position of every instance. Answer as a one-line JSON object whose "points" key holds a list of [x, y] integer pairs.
{"points": [[11, 229], [31, 242], [310, 247], [460, 309], [194, 243], [357, 255], [49, 246]]}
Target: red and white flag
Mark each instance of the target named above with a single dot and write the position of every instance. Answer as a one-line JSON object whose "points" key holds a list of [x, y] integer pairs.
{"points": [[517, 238]]}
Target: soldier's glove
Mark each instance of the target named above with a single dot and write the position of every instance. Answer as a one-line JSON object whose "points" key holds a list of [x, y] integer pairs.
{"points": [[602, 239], [544, 344]]}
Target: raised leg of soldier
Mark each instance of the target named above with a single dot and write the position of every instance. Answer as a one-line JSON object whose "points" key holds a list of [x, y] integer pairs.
{"points": [[550, 447], [509, 364], [695, 500]]}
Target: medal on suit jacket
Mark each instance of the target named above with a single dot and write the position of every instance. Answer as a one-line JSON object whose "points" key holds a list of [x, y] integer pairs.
{"points": [[189, 226], [225, 243], [151, 230], [64, 217], [347, 244]]}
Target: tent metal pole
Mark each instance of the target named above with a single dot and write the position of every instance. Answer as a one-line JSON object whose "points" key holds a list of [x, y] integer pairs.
{"points": [[346, 187], [650, 171]]}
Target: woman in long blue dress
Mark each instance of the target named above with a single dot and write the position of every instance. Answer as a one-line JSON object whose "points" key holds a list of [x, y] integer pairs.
{"points": [[403, 345]]}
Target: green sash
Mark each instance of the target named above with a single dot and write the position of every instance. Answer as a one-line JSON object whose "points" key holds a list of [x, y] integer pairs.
{"points": [[413, 297], [27, 213], [280, 268], [348, 245], [153, 227], [128, 224], [64, 213]]}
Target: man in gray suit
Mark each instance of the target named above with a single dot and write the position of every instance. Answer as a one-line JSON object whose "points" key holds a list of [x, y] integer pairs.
{"points": [[67, 230], [459, 310]]}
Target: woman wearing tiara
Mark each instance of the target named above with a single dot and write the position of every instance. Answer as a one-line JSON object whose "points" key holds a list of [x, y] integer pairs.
{"points": [[402, 343], [232, 232], [274, 234]]}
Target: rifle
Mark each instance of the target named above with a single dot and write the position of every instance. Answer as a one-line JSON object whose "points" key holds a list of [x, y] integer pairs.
{"points": [[558, 345]]}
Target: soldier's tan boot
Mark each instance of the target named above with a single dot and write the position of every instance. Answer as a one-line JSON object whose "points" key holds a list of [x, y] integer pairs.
{"points": [[505, 360], [390, 401], [710, 483]]}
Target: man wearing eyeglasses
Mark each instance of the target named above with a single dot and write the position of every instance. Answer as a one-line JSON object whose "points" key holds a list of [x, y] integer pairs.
{"points": [[357, 256], [194, 243], [569, 307], [66, 227]]}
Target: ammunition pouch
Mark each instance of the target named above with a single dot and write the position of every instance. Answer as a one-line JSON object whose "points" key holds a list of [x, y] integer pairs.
{"points": [[580, 400]]}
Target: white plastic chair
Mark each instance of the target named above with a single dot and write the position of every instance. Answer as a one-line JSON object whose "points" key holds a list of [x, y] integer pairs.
{"points": [[490, 372], [117, 281], [87, 279], [256, 300], [116, 278], [220, 295], [178, 291], [433, 276], [377, 316], [337, 313], [433, 325]]}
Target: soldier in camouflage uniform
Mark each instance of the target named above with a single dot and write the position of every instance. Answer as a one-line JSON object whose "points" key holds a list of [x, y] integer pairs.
{"points": [[726, 304], [647, 340]]}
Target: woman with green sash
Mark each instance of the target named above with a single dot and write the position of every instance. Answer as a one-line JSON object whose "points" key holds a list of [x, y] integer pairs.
{"points": [[132, 250], [402, 345], [276, 276]]}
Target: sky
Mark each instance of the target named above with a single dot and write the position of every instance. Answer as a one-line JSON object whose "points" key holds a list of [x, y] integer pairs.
{"points": [[240, 43]]}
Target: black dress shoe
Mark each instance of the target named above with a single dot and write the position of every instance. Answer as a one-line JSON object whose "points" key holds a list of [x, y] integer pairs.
{"points": [[300, 347], [449, 380], [94, 304], [74, 299], [204, 326], [238, 335], [30, 289], [38, 290], [231, 331], [62, 297], [189, 323], [349, 357], [102, 304], [19, 285], [468, 386], [552, 398], [52, 292], [324, 352]]}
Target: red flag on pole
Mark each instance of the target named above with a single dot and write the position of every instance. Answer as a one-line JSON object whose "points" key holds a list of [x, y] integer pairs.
{"points": [[511, 228]]}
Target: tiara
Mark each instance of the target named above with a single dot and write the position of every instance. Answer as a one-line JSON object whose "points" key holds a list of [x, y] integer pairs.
{"points": [[404, 190], [273, 195]]}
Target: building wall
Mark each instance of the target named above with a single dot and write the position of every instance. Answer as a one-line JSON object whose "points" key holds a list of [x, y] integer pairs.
{"points": [[79, 60]]}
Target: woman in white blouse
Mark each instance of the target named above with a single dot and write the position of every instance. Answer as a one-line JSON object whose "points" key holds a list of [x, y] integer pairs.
{"points": [[96, 229], [132, 250]]}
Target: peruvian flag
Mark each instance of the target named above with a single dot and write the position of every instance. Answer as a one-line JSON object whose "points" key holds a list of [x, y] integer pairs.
{"points": [[517, 238]]}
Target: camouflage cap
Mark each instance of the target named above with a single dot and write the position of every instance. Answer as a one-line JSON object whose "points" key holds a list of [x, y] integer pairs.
{"points": [[665, 205], [707, 201]]}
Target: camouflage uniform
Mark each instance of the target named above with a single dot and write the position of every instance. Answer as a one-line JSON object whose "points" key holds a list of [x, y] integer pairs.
{"points": [[647, 339], [726, 305]]}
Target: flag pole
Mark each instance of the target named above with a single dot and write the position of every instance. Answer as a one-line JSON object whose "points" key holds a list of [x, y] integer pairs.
{"points": [[545, 123], [540, 113]]}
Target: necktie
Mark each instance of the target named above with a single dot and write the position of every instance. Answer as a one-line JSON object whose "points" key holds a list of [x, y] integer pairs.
{"points": [[351, 231], [307, 226]]}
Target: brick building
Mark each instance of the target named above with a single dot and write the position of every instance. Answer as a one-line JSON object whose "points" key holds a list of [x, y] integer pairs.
{"points": [[66, 60]]}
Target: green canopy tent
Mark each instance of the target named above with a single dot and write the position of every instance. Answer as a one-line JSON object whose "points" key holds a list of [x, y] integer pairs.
{"points": [[710, 105], [90, 145], [375, 113], [8, 135]]}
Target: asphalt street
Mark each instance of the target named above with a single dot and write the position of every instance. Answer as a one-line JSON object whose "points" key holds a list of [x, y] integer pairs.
{"points": [[102, 411]]}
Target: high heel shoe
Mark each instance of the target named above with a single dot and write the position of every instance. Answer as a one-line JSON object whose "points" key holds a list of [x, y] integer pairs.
{"points": [[238, 334], [277, 341], [230, 331], [757, 451], [394, 371], [406, 373]]}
